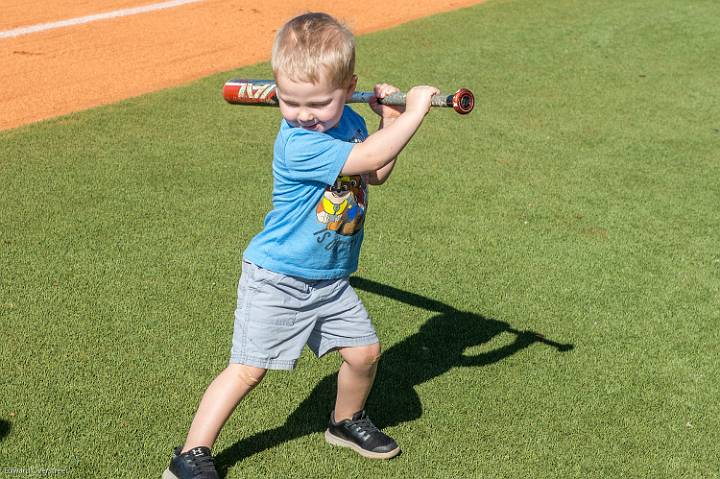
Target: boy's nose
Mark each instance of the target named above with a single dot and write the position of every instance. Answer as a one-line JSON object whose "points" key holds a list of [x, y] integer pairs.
{"points": [[305, 116]]}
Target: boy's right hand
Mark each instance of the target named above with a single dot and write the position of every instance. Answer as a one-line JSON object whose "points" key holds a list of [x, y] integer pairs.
{"points": [[418, 99], [381, 148]]}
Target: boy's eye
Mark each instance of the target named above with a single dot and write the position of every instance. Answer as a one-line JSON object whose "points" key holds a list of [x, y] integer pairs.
{"points": [[319, 104], [315, 104]]}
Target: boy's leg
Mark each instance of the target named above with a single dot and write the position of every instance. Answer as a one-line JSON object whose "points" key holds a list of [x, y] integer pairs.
{"points": [[343, 324], [219, 401], [355, 379], [350, 425]]}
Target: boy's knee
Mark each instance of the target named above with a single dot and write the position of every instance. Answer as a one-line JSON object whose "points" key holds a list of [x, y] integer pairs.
{"points": [[363, 356], [373, 355], [248, 375]]}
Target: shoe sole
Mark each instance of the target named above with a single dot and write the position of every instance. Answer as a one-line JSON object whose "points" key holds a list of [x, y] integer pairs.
{"points": [[330, 438], [168, 475]]}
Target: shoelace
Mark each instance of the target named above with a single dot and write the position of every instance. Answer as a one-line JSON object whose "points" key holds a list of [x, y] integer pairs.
{"points": [[364, 426], [204, 465]]}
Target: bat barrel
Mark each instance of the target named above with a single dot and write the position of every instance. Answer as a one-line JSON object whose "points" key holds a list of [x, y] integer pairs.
{"points": [[250, 92]]}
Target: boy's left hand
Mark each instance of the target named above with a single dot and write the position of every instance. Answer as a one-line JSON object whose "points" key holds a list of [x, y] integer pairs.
{"points": [[382, 90]]}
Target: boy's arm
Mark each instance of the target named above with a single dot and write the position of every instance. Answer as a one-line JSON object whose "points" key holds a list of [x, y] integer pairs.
{"points": [[379, 150], [378, 177]]}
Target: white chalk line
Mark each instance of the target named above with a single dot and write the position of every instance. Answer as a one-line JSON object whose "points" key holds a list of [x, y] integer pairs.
{"points": [[71, 22]]}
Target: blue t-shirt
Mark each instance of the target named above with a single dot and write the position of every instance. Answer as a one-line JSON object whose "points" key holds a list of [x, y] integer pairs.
{"points": [[315, 228]]}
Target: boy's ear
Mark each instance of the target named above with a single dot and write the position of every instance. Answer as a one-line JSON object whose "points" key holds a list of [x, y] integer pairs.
{"points": [[351, 87]]}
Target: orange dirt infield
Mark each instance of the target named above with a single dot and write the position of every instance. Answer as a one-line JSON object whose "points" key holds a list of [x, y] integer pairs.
{"points": [[54, 72]]}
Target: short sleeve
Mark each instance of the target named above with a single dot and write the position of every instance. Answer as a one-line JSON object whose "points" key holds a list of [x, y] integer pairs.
{"points": [[311, 156]]}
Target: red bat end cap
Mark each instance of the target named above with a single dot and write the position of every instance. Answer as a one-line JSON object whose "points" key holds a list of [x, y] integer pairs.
{"points": [[230, 92], [463, 101]]}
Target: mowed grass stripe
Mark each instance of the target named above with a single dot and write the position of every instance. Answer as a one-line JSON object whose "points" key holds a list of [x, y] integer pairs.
{"points": [[578, 201]]}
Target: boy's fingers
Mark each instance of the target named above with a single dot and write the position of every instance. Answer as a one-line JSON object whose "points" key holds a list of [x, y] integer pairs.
{"points": [[381, 90]]}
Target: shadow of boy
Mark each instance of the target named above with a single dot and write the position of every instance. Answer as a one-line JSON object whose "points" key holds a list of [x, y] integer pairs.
{"points": [[435, 349]]}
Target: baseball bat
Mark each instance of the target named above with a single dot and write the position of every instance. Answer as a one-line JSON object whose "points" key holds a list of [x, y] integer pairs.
{"points": [[539, 338], [263, 92]]}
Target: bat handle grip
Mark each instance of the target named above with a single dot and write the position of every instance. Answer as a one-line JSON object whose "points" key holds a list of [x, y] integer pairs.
{"points": [[462, 101]]}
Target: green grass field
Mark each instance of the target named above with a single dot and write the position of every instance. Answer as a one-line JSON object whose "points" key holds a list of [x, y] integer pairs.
{"points": [[580, 201]]}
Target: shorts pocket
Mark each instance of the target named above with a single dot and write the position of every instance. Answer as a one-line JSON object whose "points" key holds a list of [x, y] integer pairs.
{"points": [[274, 317], [270, 306]]}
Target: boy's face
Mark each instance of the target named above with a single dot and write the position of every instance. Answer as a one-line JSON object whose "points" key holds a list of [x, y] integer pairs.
{"points": [[312, 106]]}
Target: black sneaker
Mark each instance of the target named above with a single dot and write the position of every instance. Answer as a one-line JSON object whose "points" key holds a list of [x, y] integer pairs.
{"points": [[197, 463], [360, 434]]}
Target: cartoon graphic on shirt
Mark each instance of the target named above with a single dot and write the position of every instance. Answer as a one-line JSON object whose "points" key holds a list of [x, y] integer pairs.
{"points": [[342, 207]]}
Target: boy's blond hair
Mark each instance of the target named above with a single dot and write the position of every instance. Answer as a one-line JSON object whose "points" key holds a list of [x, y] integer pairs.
{"points": [[313, 44]]}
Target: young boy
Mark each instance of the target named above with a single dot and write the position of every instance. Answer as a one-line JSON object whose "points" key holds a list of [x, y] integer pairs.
{"points": [[294, 287]]}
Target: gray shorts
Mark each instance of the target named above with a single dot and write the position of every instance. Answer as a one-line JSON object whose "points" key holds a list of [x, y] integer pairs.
{"points": [[277, 315]]}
